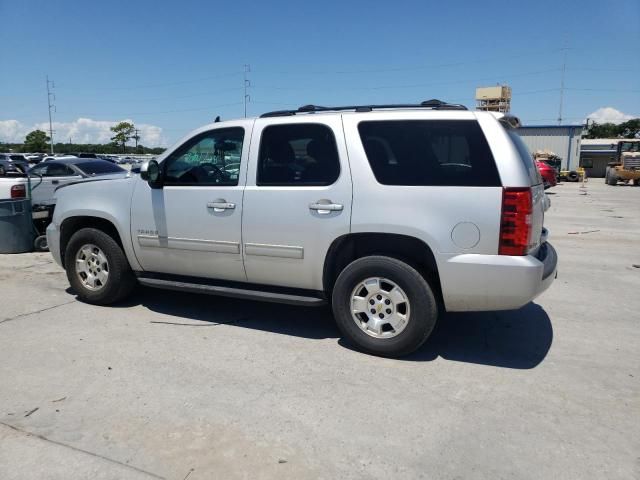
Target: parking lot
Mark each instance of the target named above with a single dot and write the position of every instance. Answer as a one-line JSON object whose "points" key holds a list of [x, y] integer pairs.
{"points": [[173, 385]]}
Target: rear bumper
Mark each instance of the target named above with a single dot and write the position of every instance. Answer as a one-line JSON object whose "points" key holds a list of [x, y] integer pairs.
{"points": [[53, 240], [474, 282]]}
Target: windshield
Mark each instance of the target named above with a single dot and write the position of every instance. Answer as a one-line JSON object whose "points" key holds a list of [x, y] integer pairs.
{"points": [[630, 147], [99, 167]]}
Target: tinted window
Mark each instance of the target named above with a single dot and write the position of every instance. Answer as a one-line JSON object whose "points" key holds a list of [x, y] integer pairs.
{"points": [[527, 158], [99, 167], [429, 152], [211, 158], [52, 170], [298, 155]]}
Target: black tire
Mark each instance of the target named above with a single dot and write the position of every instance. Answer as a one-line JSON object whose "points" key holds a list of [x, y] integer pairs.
{"points": [[423, 307], [636, 182], [612, 178], [121, 280], [40, 244], [573, 176]]}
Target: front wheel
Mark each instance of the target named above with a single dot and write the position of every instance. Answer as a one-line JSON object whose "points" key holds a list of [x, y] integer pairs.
{"points": [[612, 178], [97, 268], [384, 306]]}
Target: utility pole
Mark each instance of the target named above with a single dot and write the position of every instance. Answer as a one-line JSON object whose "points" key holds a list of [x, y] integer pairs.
{"points": [[50, 97], [246, 84], [564, 68], [136, 137]]}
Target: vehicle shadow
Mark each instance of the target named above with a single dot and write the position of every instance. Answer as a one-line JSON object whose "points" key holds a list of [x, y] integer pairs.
{"points": [[518, 339]]}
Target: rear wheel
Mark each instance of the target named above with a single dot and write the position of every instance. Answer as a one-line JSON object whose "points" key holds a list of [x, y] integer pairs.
{"points": [[636, 182], [97, 268], [384, 306]]}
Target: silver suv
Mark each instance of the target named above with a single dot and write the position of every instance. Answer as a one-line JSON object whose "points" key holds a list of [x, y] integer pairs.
{"points": [[390, 213]]}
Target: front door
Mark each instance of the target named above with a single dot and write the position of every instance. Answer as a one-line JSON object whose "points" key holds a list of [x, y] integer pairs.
{"points": [[297, 199], [192, 225]]}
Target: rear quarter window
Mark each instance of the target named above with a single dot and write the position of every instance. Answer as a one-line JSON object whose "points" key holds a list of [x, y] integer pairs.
{"points": [[526, 156], [99, 167], [429, 153]]}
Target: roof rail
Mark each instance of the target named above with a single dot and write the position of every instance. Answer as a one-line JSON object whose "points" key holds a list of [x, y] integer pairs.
{"points": [[430, 104]]}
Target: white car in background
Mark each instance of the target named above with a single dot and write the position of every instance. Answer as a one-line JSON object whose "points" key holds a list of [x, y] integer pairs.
{"points": [[49, 175]]}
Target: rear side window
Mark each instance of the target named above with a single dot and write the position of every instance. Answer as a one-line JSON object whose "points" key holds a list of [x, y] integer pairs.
{"points": [[527, 158], [302, 154], [52, 170], [429, 153], [98, 167]]}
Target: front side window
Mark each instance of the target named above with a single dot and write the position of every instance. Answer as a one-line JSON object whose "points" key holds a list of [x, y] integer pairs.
{"points": [[429, 152], [211, 158], [302, 154]]}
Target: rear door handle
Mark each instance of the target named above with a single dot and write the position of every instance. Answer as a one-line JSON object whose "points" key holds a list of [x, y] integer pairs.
{"points": [[55, 182], [324, 208], [221, 205]]}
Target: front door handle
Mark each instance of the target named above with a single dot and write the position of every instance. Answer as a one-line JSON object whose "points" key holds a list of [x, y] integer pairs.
{"points": [[323, 207], [55, 182], [221, 205]]}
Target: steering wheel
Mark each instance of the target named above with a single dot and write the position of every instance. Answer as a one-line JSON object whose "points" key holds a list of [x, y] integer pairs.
{"points": [[209, 170]]}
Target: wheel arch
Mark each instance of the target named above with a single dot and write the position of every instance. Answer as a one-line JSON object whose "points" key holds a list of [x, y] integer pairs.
{"points": [[411, 250], [71, 225]]}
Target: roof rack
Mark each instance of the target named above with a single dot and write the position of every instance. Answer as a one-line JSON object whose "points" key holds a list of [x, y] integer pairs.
{"points": [[431, 104]]}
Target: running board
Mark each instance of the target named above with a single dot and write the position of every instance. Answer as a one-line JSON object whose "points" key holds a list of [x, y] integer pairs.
{"points": [[233, 292]]}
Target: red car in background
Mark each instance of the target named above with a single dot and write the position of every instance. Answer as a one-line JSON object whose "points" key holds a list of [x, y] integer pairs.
{"points": [[548, 173]]}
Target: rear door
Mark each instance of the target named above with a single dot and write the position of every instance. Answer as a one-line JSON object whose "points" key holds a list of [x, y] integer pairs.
{"points": [[297, 199]]}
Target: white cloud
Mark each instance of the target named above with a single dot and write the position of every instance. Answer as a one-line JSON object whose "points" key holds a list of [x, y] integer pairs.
{"points": [[82, 130], [609, 115]]}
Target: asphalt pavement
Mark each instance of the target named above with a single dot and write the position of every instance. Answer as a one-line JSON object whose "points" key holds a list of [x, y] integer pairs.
{"points": [[180, 386]]}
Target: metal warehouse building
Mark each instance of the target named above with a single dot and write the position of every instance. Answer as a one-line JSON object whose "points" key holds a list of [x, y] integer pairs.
{"points": [[595, 154], [563, 140]]}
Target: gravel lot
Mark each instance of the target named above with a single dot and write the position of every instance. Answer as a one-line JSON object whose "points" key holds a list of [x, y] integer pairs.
{"points": [[181, 386]]}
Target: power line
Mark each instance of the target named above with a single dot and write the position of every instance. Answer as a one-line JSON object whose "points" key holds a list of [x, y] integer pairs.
{"points": [[165, 111], [182, 82], [419, 67], [170, 97], [420, 85]]}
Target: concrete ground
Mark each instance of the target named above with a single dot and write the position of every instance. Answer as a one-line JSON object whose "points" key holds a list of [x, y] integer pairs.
{"points": [[181, 386]]}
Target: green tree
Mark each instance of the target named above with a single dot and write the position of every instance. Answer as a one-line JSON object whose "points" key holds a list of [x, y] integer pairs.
{"points": [[36, 141], [123, 132], [602, 130], [630, 128]]}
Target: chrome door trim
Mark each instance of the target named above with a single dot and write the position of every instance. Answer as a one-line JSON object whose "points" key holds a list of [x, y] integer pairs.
{"points": [[216, 246], [279, 251]]}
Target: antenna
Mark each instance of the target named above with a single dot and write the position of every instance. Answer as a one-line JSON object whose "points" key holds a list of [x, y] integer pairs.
{"points": [[246, 84], [564, 68], [50, 98]]}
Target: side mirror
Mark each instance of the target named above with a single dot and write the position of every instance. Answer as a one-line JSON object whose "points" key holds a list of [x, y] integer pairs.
{"points": [[150, 172]]}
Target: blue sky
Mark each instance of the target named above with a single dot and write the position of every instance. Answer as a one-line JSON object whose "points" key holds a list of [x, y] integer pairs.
{"points": [[173, 66]]}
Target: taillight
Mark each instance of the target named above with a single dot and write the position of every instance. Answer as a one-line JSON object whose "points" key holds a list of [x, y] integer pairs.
{"points": [[18, 191], [515, 224]]}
